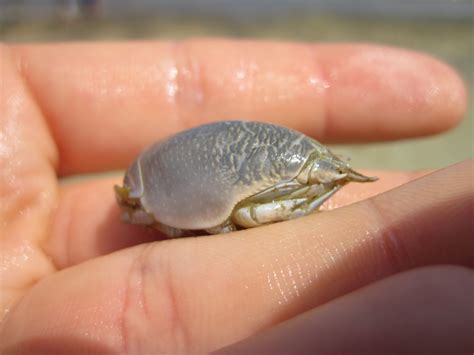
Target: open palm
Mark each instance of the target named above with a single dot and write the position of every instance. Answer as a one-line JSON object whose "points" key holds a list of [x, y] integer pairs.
{"points": [[75, 279]]}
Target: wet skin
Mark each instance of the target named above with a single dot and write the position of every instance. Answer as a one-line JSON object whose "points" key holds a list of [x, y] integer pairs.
{"points": [[74, 278]]}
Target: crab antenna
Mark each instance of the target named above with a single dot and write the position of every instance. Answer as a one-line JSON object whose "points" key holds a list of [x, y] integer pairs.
{"points": [[353, 175]]}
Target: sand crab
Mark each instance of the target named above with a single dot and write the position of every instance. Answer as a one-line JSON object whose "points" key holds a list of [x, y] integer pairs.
{"points": [[230, 175]]}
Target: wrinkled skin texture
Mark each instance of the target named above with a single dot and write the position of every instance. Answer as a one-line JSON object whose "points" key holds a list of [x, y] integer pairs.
{"points": [[74, 279]]}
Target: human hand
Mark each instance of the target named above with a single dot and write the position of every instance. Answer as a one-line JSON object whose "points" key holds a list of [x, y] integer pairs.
{"points": [[75, 279]]}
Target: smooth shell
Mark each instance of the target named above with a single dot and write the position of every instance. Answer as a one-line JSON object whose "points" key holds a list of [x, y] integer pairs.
{"points": [[194, 179]]}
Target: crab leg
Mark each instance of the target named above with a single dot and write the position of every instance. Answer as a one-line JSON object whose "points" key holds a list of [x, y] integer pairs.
{"points": [[254, 215]]}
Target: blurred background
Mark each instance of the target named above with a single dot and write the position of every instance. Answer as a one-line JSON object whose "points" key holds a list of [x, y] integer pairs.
{"points": [[442, 28]]}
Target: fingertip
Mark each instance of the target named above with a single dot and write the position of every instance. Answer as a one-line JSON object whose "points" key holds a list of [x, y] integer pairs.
{"points": [[387, 93], [448, 96]]}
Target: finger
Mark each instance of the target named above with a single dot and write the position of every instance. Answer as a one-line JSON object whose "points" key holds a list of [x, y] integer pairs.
{"points": [[87, 223], [180, 295], [425, 311], [28, 188], [105, 102]]}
